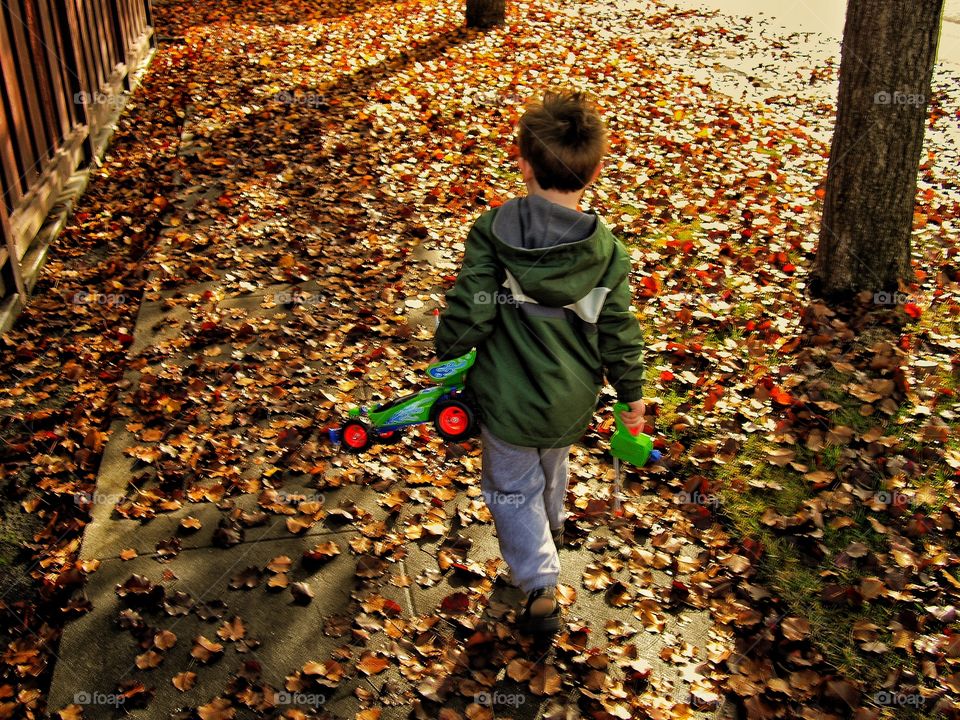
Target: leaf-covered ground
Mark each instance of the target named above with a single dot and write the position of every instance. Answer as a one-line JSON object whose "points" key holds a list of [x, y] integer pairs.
{"points": [[808, 497]]}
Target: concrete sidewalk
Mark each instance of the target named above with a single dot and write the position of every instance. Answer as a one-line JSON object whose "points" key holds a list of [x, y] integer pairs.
{"points": [[827, 17], [361, 602]]}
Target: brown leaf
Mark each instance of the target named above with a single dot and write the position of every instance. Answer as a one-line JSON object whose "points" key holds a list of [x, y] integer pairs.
{"points": [[737, 563], [184, 681], [596, 578], [302, 594], [299, 525], [149, 660], [856, 550], [280, 564], [330, 672], [566, 595], [820, 478], [795, 628], [217, 709], [232, 629], [872, 588], [322, 552], [190, 524], [781, 457], [475, 711], [246, 579], [372, 663], [546, 681], [705, 697], [805, 679], [206, 650], [278, 582], [618, 595], [164, 640], [369, 566], [519, 669]]}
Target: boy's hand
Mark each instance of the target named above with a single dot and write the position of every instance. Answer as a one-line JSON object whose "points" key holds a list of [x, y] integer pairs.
{"points": [[634, 417]]}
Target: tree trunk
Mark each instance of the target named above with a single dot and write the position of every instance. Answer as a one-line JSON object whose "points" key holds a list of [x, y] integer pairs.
{"points": [[887, 58], [485, 13]]}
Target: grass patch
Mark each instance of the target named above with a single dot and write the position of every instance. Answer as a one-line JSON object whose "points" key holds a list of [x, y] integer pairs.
{"points": [[748, 488], [660, 235], [670, 401]]}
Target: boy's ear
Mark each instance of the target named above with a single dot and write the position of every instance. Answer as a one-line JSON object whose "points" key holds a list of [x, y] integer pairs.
{"points": [[526, 169], [596, 173]]}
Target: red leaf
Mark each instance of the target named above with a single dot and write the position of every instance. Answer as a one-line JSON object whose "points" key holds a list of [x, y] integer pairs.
{"points": [[781, 396], [456, 603]]}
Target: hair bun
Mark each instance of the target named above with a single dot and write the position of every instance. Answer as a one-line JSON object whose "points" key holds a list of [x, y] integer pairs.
{"points": [[563, 139], [576, 124]]}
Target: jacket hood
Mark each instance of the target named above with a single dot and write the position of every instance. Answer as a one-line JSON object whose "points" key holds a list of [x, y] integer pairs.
{"points": [[556, 255]]}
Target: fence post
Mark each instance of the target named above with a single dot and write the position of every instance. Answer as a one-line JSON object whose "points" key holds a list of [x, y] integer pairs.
{"points": [[76, 71], [148, 7], [13, 262], [120, 39], [42, 79]]}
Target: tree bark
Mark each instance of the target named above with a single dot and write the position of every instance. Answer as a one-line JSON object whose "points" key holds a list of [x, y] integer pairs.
{"points": [[485, 13], [889, 50]]}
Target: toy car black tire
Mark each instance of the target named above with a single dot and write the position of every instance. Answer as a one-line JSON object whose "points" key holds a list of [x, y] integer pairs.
{"points": [[390, 437], [454, 420], [356, 436]]}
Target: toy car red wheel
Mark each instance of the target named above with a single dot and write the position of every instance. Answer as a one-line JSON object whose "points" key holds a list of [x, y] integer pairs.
{"points": [[355, 435], [453, 419]]}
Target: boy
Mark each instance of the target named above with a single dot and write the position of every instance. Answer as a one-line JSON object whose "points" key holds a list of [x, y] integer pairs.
{"points": [[544, 296]]}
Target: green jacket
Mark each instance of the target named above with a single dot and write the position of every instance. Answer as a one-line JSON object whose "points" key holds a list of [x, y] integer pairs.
{"points": [[544, 296]]}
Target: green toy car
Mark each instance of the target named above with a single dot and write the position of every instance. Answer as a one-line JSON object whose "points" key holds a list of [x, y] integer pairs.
{"points": [[442, 404]]}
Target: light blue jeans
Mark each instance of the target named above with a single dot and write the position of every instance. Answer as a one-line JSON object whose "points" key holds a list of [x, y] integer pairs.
{"points": [[525, 489]]}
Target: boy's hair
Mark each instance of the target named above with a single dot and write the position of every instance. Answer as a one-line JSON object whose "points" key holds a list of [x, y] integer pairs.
{"points": [[563, 139]]}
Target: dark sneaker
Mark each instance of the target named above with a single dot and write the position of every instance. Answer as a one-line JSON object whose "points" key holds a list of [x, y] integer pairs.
{"points": [[542, 613]]}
